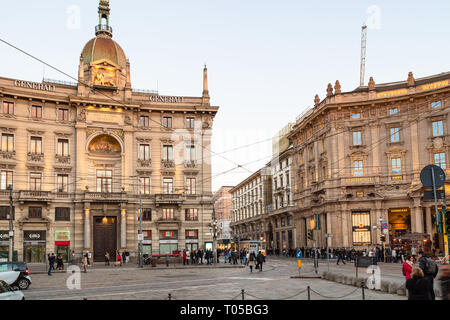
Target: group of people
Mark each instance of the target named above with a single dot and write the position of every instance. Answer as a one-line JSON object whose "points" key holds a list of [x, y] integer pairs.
{"points": [[52, 259], [196, 257], [420, 272]]}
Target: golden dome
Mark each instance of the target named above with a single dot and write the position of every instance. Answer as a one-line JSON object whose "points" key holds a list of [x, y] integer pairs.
{"points": [[103, 47]]}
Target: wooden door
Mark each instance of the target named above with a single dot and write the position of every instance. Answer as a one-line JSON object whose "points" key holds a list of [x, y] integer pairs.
{"points": [[105, 238]]}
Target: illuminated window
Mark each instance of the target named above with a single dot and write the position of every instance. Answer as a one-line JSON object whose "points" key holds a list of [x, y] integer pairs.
{"points": [[167, 214], [145, 185], [7, 142], [63, 147], [439, 160], [144, 152], [361, 228], [36, 112], [438, 128], [8, 107]]}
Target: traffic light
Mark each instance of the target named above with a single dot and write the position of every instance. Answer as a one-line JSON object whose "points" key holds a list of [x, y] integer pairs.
{"points": [[310, 235], [383, 238]]}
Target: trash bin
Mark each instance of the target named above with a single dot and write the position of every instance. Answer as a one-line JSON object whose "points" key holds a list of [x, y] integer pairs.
{"points": [[365, 261], [154, 261]]}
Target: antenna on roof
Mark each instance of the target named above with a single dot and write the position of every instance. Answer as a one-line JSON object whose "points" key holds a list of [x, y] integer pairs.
{"points": [[363, 54]]}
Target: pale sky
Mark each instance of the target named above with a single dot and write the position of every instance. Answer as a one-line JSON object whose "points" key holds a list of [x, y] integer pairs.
{"points": [[266, 59]]}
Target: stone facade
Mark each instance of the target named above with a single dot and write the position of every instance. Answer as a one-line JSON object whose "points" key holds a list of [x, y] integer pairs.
{"points": [[93, 148], [358, 157]]}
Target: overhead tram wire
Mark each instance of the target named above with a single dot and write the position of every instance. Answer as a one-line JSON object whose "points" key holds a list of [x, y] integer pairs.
{"points": [[97, 91]]}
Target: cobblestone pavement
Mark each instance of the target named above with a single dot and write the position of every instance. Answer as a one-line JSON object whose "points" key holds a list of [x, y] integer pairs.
{"points": [[197, 283]]}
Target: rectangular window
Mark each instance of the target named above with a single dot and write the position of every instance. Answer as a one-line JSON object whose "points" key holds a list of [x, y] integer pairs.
{"points": [[145, 185], [393, 111], [356, 115], [167, 214], [63, 114], [395, 134], [8, 107], [190, 123], [35, 212], [167, 122], [36, 145], [63, 182], [4, 213], [6, 179], [191, 234], [62, 214], [146, 214], [190, 153], [168, 185], [36, 112], [7, 142], [357, 141], [63, 147], [361, 228], [144, 121], [144, 152], [191, 214], [396, 166], [439, 160], [436, 104], [191, 186], [35, 181], [358, 168], [104, 181], [438, 128], [167, 153]]}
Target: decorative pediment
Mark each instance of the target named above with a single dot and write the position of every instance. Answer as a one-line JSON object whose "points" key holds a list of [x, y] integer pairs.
{"points": [[62, 134], [358, 154], [35, 131], [398, 151], [8, 129], [165, 140], [105, 63], [143, 140]]}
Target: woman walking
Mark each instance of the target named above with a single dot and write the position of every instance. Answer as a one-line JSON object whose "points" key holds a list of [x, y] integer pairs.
{"points": [[107, 258], [84, 262], [59, 262], [407, 267]]}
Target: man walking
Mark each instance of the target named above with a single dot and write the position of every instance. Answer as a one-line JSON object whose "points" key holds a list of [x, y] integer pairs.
{"points": [[430, 270], [340, 254], [260, 260], [107, 258], [51, 262]]}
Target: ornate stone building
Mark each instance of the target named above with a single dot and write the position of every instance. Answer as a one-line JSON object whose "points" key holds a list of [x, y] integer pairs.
{"points": [[222, 214], [358, 156], [78, 156]]}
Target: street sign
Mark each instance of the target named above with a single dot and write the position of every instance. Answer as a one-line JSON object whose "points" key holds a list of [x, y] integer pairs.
{"points": [[140, 237], [428, 195], [299, 254], [426, 176], [299, 263]]}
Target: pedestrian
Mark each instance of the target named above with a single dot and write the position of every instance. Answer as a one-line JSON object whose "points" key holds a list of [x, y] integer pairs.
{"points": [[340, 254], [229, 256], [84, 262], [89, 256], [418, 286], [244, 258], [260, 260], [188, 256], [59, 262], [407, 267], [394, 255], [225, 256], [414, 252], [192, 257], [107, 258], [167, 259], [73, 258], [51, 261], [124, 257], [252, 261], [430, 270], [118, 259], [184, 257], [445, 282]]}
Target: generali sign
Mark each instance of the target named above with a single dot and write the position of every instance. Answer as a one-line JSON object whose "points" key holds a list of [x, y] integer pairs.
{"points": [[34, 85]]}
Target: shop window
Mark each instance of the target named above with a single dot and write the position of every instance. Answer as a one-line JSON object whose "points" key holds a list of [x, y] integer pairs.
{"points": [[361, 228], [62, 214]]}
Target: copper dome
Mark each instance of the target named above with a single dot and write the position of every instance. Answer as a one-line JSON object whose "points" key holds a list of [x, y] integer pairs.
{"points": [[102, 47]]}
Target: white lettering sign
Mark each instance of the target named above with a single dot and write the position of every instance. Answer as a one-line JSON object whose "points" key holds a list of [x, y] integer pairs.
{"points": [[34, 85], [166, 99]]}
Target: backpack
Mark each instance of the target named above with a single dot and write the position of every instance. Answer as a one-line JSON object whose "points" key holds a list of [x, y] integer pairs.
{"points": [[430, 267]]}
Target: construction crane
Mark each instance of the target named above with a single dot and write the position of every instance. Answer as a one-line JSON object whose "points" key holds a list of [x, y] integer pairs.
{"points": [[363, 54]]}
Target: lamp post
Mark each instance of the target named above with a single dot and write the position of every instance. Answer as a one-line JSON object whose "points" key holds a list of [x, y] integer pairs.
{"points": [[140, 224], [214, 241]]}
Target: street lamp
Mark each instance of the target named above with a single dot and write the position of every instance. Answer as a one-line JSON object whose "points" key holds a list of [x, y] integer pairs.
{"points": [[11, 230]]}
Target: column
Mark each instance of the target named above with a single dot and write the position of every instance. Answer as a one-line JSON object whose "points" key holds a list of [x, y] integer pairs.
{"points": [[415, 150], [429, 223], [123, 228], [417, 217], [376, 149], [87, 229]]}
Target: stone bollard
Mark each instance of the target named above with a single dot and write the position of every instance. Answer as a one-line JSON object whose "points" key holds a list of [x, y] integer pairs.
{"points": [[384, 286], [393, 287]]}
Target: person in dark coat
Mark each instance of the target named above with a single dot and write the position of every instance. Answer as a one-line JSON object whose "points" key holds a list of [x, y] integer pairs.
{"points": [[445, 282], [418, 286], [424, 264], [340, 254], [259, 260]]}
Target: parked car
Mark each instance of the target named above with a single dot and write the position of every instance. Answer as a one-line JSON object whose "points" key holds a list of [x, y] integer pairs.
{"points": [[15, 274], [9, 293]]}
